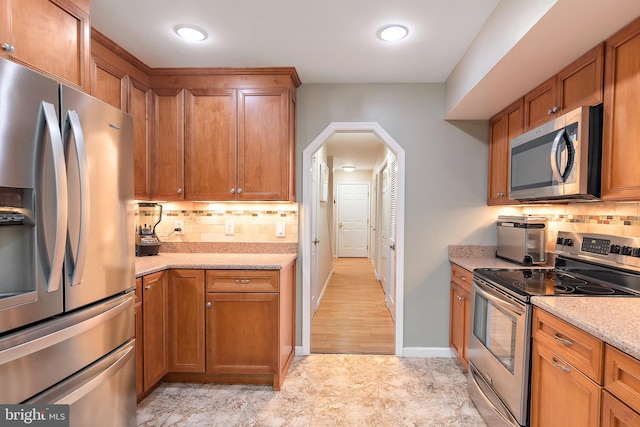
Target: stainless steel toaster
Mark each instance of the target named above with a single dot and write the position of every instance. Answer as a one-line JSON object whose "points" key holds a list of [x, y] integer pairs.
{"points": [[522, 239]]}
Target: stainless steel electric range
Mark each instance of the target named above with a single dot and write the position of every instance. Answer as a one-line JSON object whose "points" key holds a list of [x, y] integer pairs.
{"points": [[586, 264]]}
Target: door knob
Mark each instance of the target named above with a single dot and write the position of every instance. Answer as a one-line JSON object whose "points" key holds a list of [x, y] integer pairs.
{"points": [[315, 241], [340, 225]]}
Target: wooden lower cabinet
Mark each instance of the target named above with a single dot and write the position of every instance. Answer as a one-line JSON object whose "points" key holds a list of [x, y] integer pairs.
{"points": [[219, 326], [242, 329], [460, 312], [186, 320], [560, 394], [617, 414], [155, 328], [139, 341]]}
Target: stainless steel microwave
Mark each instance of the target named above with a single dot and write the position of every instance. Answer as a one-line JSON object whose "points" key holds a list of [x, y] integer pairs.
{"points": [[560, 160]]}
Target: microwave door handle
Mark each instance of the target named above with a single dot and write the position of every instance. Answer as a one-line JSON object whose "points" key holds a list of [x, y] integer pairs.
{"points": [[553, 158], [72, 122], [56, 259]]}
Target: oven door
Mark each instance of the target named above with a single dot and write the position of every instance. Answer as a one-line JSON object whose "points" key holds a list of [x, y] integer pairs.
{"points": [[499, 341]]}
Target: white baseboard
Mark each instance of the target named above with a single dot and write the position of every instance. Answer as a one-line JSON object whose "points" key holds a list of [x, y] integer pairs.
{"points": [[324, 287], [410, 352]]}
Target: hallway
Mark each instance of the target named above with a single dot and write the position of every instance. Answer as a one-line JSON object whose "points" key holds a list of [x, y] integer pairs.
{"points": [[353, 317]]}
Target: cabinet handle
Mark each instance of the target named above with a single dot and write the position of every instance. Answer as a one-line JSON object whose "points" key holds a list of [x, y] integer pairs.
{"points": [[563, 340], [553, 110], [147, 288], [8, 48], [208, 304], [242, 281], [460, 298], [179, 190], [559, 366], [463, 278]]}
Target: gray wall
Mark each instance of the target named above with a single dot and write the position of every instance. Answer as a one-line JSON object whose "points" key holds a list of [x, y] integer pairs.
{"points": [[446, 185]]}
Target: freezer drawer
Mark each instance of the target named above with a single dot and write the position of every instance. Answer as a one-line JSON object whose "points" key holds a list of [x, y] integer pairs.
{"points": [[36, 358], [102, 395]]}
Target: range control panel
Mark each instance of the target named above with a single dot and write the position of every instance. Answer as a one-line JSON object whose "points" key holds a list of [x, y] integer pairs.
{"points": [[616, 250]]}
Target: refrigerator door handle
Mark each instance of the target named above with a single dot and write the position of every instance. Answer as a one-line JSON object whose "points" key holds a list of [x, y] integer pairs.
{"points": [[57, 258], [72, 123]]}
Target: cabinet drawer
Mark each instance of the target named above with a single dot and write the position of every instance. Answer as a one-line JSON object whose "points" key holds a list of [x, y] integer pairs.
{"points": [[622, 376], [577, 347], [242, 280], [461, 276]]}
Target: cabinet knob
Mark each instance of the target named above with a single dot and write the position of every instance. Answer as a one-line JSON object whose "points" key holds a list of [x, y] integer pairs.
{"points": [[179, 190], [239, 190], [242, 281], [147, 288], [8, 48], [233, 191], [208, 304]]}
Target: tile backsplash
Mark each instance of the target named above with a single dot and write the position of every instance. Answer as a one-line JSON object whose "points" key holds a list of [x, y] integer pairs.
{"points": [[205, 222], [622, 219]]}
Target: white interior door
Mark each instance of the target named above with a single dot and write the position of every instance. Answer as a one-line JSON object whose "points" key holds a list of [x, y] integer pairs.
{"points": [[383, 228], [353, 220], [391, 250]]}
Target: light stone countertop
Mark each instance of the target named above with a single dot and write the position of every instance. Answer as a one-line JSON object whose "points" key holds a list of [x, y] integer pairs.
{"points": [[212, 261], [471, 263], [614, 320]]}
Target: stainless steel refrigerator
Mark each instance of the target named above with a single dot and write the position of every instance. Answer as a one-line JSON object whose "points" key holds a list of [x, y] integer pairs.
{"points": [[66, 250]]}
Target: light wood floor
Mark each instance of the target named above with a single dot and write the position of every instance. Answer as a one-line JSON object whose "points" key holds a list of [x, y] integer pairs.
{"points": [[353, 316]]}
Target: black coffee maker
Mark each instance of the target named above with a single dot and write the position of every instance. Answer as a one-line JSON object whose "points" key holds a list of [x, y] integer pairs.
{"points": [[149, 216]]}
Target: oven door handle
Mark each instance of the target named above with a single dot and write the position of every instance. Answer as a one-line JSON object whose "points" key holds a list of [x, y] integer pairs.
{"points": [[507, 305]]}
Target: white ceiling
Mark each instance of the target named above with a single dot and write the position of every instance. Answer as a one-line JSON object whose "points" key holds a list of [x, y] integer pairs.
{"points": [[361, 149], [327, 41]]}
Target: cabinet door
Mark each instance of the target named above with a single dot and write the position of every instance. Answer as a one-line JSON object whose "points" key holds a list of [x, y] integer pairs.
{"points": [[51, 36], [263, 144], [139, 340], [581, 82], [540, 105], [620, 148], [140, 108], [108, 84], [617, 414], [210, 144], [459, 322], [167, 156], [505, 126], [560, 394], [155, 330], [242, 333], [186, 320]]}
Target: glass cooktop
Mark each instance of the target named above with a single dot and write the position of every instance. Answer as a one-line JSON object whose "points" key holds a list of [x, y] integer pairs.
{"points": [[529, 282]]}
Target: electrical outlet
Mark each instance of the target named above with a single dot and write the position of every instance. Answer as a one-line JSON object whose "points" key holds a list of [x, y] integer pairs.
{"points": [[228, 227], [280, 229], [178, 226]]}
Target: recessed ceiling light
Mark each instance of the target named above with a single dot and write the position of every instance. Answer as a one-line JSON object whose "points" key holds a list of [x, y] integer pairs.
{"points": [[191, 32], [393, 32], [348, 168]]}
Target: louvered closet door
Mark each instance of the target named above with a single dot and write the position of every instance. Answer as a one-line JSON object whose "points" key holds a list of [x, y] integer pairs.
{"points": [[391, 257]]}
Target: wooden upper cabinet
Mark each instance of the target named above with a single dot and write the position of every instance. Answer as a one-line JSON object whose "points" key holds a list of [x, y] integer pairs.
{"points": [[210, 144], [50, 36], [263, 144], [167, 154], [140, 102], [621, 135], [108, 84], [503, 127], [580, 83]]}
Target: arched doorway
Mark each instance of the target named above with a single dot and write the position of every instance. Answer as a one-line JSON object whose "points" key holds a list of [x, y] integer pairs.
{"points": [[306, 232]]}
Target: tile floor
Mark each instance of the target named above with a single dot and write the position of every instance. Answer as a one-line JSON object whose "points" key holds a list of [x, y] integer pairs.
{"points": [[325, 390]]}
